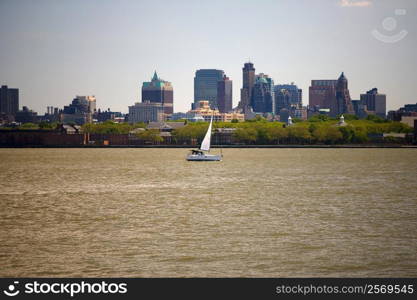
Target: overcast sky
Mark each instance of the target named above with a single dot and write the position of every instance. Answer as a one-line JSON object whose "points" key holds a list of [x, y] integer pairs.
{"points": [[54, 50]]}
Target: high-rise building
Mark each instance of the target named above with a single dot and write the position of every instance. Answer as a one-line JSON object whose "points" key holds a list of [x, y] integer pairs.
{"points": [[294, 92], [146, 111], [248, 83], [225, 95], [287, 96], [375, 102], [343, 101], [282, 99], [331, 94], [205, 86], [9, 100], [322, 93], [263, 94], [159, 91]]}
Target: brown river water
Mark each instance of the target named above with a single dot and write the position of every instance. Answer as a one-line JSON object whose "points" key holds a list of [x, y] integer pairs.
{"points": [[258, 213]]}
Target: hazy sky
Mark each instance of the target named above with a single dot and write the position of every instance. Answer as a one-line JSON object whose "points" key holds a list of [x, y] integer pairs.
{"points": [[54, 50]]}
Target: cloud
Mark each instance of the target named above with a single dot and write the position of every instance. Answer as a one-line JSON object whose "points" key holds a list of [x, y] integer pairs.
{"points": [[355, 3]]}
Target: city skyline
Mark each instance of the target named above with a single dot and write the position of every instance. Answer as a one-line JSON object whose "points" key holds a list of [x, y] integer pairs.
{"points": [[54, 50]]}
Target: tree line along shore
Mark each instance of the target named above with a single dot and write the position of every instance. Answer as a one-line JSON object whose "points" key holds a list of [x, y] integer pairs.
{"points": [[318, 130]]}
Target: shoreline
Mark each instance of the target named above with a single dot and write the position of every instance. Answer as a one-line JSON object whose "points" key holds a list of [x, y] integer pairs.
{"points": [[220, 147]]}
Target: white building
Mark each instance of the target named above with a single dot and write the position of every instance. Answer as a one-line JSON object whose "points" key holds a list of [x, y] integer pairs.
{"points": [[146, 112]]}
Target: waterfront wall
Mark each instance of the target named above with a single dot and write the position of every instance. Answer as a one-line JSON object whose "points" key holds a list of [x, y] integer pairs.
{"points": [[40, 138]]}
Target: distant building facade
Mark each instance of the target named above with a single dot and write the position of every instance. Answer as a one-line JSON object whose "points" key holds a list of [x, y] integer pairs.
{"points": [[375, 102], [331, 94], [406, 110], [81, 104], [204, 110], [159, 91], [9, 100], [248, 72], [80, 111], [205, 86], [294, 93], [26, 116], [146, 112], [225, 95], [343, 100], [322, 93], [263, 94]]}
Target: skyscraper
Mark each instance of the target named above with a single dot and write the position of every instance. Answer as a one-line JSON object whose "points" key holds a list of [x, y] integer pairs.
{"points": [[374, 102], [331, 94], [248, 83], [263, 94], [282, 99], [9, 100], [159, 91], [343, 101], [205, 86], [294, 92], [322, 93], [225, 95], [287, 95]]}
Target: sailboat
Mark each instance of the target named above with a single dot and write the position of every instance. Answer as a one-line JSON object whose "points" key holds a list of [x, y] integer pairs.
{"points": [[202, 153]]}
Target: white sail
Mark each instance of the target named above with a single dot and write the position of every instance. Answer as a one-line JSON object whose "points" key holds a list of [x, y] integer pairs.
{"points": [[205, 145]]}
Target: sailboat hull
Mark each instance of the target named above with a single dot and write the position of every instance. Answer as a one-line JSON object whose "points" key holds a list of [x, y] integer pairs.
{"points": [[203, 157]]}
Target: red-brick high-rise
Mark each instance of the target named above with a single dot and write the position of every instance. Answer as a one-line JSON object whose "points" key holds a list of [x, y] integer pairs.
{"points": [[332, 94]]}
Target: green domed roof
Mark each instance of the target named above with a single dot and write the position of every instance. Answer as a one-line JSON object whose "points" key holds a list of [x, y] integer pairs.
{"points": [[262, 80]]}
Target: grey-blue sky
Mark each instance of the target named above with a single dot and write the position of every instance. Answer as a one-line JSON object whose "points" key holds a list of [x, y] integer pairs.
{"points": [[54, 50]]}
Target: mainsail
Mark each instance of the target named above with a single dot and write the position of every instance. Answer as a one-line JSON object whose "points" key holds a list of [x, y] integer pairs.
{"points": [[205, 145]]}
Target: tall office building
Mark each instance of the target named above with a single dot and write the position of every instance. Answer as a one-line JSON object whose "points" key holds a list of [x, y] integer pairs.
{"points": [[159, 91], [282, 99], [294, 92], [248, 83], [225, 95], [375, 102], [322, 93], [331, 94], [343, 101], [9, 100], [286, 96], [205, 86], [263, 94]]}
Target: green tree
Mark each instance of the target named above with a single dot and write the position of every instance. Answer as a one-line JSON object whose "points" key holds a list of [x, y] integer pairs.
{"points": [[47, 125], [347, 133], [277, 134], [29, 126], [348, 117], [246, 135], [299, 134], [319, 118], [150, 135], [360, 135], [375, 118]]}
